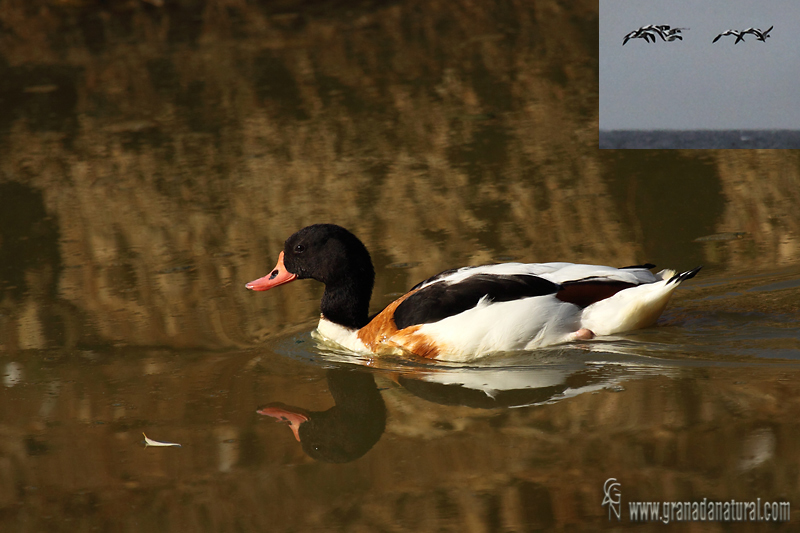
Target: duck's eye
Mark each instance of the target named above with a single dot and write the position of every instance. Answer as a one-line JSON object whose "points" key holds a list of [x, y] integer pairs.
{"points": [[299, 249]]}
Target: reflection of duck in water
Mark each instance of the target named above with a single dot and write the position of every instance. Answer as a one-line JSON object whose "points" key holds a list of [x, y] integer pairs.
{"points": [[488, 388], [463, 314], [347, 430], [351, 428]]}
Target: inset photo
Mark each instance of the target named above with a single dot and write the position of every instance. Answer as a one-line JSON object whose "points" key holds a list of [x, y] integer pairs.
{"points": [[688, 74]]}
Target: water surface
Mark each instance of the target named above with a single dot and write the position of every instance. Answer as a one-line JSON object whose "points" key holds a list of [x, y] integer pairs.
{"points": [[153, 159], [699, 139]]}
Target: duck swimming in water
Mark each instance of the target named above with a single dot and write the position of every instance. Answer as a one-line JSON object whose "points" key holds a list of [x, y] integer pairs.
{"points": [[467, 313]]}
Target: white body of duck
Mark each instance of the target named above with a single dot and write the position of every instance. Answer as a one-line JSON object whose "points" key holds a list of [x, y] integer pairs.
{"points": [[464, 314]]}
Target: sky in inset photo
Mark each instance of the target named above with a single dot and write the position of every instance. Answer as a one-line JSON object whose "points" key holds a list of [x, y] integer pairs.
{"points": [[694, 84]]}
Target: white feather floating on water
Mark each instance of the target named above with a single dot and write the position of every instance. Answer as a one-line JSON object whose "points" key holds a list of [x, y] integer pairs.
{"points": [[150, 442]]}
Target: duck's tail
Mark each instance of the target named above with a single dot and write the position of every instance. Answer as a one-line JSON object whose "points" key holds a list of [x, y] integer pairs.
{"points": [[636, 307], [677, 277]]}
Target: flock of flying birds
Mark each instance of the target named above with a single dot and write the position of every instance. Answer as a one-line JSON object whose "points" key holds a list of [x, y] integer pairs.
{"points": [[650, 32], [760, 35]]}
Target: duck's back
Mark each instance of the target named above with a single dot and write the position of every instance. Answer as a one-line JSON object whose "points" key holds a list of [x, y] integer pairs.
{"points": [[467, 313]]}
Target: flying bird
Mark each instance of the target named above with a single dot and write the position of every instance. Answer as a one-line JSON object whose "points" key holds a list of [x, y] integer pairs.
{"points": [[760, 35], [641, 33], [672, 34], [633, 35], [655, 30], [738, 34], [649, 33]]}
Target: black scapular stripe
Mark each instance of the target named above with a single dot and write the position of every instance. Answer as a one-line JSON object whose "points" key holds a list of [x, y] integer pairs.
{"points": [[645, 265], [441, 300]]}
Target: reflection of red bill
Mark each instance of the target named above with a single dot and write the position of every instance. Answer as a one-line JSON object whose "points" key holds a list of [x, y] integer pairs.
{"points": [[278, 276], [293, 415]]}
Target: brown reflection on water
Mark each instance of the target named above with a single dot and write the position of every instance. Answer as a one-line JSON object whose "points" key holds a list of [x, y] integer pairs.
{"points": [[162, 168], [173, 163], [153, 158], [72, 453]]}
